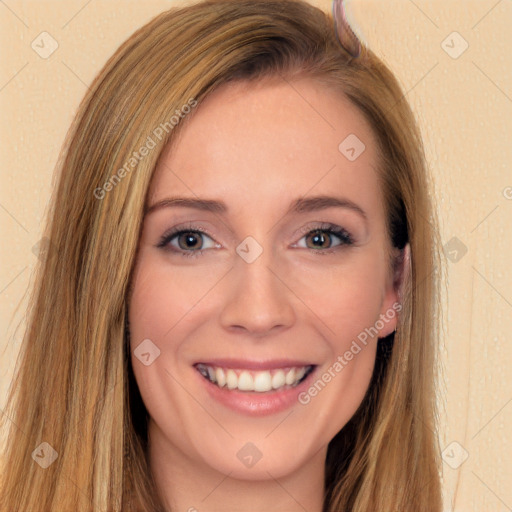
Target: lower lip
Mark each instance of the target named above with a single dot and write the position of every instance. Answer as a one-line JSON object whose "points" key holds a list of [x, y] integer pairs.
{"points": [[253, 403]]}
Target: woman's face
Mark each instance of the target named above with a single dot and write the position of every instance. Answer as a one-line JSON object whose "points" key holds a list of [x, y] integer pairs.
{"points": [[283, 317]]}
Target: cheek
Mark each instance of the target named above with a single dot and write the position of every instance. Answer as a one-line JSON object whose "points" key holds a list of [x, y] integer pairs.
{"points": [[345, 305], [166, 304], [347, 298], [164, 296], [158, 312], [351, 308]]}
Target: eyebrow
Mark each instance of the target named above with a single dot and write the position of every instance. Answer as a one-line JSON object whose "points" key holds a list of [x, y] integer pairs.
{"points": [[301, 205]]}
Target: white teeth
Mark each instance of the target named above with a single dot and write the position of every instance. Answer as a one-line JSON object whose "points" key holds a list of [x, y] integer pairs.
{"points": [[245, 382], [300, 373], [279, 379], [290, 377], [220, 377], [262, 382], [231, 379], [259, 381]]}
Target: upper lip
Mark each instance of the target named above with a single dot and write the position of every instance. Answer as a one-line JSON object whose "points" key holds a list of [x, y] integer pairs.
{"points": [[247, 364]]}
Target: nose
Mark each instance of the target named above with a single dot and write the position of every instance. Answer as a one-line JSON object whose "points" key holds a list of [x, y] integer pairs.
{"points": [[257, 299]]}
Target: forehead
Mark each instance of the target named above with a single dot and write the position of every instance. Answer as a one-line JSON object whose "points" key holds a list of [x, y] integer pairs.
{"points": [[250, 142]]}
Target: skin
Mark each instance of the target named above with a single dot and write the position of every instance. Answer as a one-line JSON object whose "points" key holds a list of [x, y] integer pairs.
{"points": [[258, 147]]}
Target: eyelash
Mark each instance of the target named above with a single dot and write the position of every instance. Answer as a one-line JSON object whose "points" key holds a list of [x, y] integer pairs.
{"points": [[167, 237], [344, 236]]}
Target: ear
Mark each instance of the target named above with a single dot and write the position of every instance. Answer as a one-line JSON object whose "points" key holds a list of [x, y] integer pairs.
{"points": [[395, 292]]}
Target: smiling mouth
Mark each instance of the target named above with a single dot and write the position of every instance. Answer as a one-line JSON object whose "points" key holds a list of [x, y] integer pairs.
{"points": [[257, 381]]}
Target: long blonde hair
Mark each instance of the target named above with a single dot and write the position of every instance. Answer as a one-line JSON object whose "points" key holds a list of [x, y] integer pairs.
{"points": [[74, 387]]}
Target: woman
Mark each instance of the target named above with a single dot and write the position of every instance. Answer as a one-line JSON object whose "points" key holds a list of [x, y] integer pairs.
{"points": [[235, 311]]}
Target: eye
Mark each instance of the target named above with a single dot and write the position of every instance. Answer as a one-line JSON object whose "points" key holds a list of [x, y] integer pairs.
{"points": [[321, 238], [188, 242], [191, 241]]}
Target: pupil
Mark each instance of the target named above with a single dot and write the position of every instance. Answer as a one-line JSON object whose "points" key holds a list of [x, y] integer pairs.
{"points": [[319, 237], [190, 240]]}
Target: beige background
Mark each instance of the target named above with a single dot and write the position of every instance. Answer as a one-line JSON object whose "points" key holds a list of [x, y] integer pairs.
{"points": [[464, 104]]}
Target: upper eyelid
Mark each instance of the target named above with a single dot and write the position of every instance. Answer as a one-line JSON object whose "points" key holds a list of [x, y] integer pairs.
{"points": [[187, 229], [333, 229]]}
